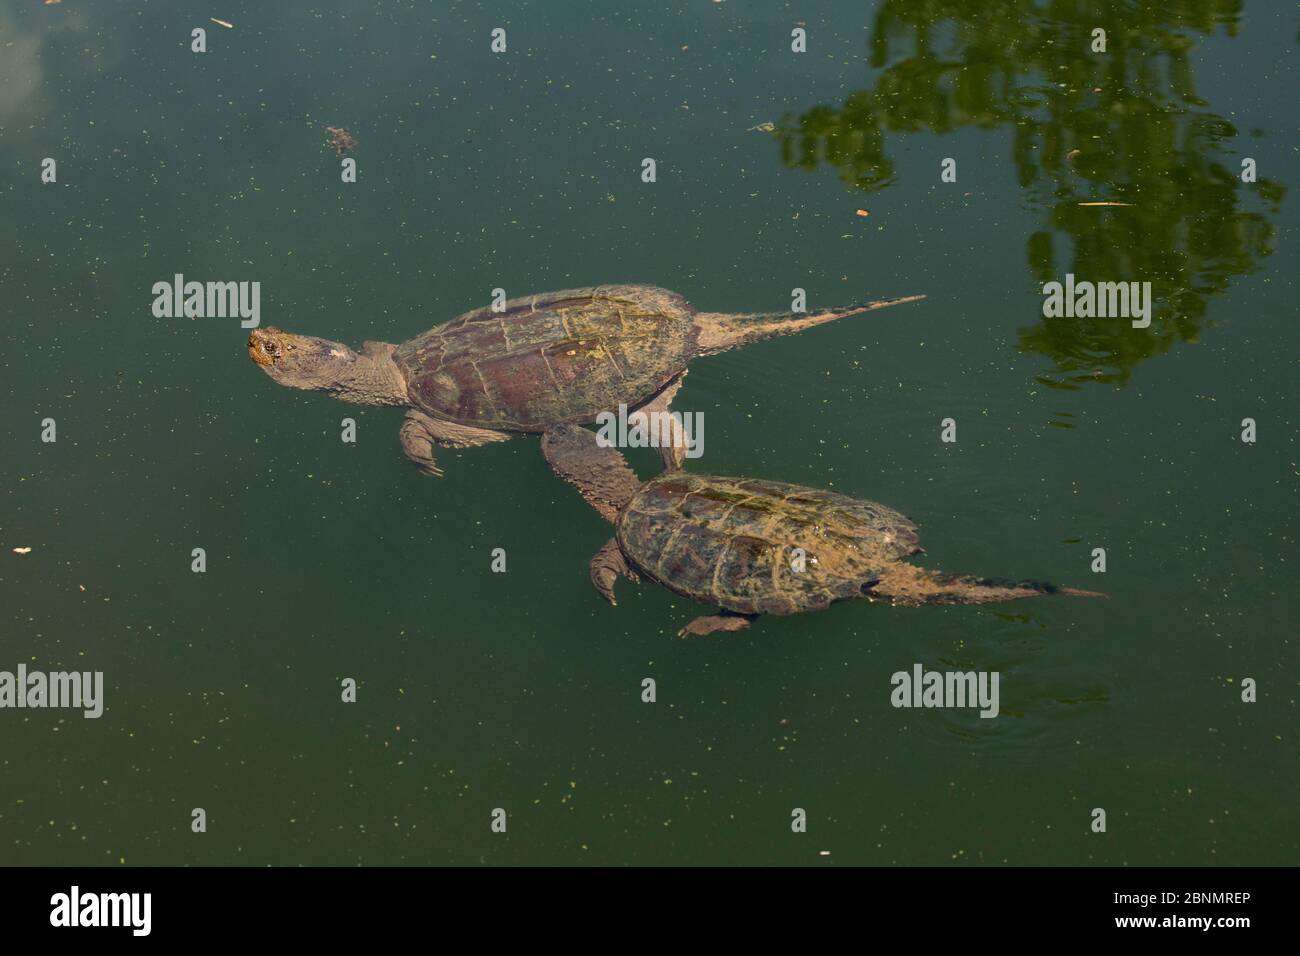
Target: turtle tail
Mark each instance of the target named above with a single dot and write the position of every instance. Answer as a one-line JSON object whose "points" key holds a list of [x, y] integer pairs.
{"points": [[719, 331], [909, 585]]}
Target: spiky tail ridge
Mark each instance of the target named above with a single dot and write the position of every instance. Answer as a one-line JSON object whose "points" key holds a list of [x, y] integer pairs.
{"points": [[719, 331], [911, 585]]}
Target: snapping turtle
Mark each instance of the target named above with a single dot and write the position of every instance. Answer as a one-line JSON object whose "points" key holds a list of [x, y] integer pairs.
{"points": [[544, 360], [756, 547]]}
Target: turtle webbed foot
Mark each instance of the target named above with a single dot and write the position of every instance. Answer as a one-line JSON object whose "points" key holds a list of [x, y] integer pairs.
{"points": [[711, 623], [417, 443], [607, 567]]}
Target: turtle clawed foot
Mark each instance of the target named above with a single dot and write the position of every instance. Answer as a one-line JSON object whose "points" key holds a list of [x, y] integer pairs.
{"points": [[604, 581], [607, 567], [711, 623], [417, 443]]}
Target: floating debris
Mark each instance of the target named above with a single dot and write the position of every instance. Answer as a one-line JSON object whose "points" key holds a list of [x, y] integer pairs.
{"points": [[1105, 203], [340, 140], [762, 128], [22, 550], [222, 23], [862, 212]]}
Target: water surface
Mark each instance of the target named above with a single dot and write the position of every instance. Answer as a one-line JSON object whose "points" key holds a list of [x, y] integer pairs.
{"points": [[523, 690]]}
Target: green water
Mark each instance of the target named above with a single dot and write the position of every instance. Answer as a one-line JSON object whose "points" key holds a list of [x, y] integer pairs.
{"points": [[522, 690]]}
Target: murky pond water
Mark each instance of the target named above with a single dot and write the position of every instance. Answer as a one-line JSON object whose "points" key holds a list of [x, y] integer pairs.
{"points": [[523, 690]]}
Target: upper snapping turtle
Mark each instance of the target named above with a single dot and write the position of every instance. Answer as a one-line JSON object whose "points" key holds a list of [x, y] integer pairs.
{"points": [[542, 361], [756, 547]]}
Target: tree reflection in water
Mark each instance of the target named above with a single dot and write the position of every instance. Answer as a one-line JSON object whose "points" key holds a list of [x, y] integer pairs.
{"points": [[1126, 125]]}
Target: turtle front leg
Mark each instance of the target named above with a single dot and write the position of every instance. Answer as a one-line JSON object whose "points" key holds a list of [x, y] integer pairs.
{"points": [[417, 442], [711, 623], [607, 567], [420, 432]]}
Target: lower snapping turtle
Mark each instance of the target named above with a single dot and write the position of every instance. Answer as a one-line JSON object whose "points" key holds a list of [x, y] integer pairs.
{"points": [[756, 547], [540, 361]]}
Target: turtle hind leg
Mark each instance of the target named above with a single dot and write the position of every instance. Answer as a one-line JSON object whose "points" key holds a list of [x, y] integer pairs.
{"points": [[607, 567], [712, 623], [672, 438]]}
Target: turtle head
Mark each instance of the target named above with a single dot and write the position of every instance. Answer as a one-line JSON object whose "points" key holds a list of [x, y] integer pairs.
{"points": [[304, 361], [299, 361]]}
